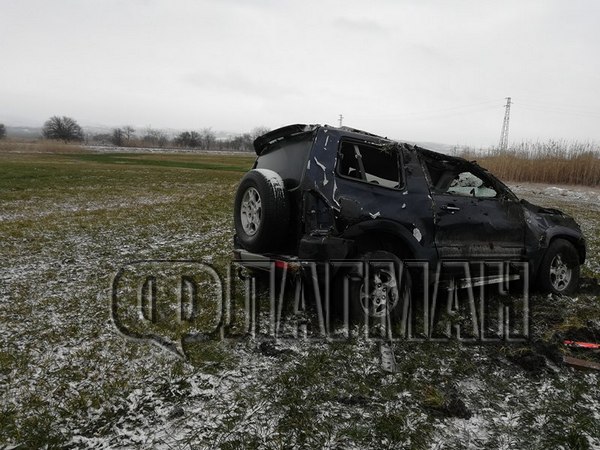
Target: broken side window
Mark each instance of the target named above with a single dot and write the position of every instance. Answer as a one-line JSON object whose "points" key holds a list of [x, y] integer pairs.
{"points": [[453, 177], [468, 184], [370, 164]]}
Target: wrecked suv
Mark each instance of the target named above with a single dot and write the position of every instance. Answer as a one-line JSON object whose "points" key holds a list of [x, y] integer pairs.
{"points": [[322, 193]]}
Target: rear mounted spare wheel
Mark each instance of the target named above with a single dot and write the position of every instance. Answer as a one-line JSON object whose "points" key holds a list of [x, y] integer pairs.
{"points": [[261, 213]]}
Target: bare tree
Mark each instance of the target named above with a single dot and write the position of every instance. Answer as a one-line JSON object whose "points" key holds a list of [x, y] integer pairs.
{"points": [[208, 138], [155, 138], [258, 131], [247, 141], [183, 139], [195, 139], [243, 142], [117, 137], [62, 128], [129, 132], [2, 131], [190, 139]]}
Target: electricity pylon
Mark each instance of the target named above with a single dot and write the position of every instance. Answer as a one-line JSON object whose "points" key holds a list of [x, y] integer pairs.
{"points": [[504, 135]]}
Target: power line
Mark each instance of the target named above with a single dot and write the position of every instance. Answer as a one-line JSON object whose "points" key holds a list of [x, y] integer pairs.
{"points": [[432, 112], [441, 115], [543, 104], [529, 104], [560, 111]]}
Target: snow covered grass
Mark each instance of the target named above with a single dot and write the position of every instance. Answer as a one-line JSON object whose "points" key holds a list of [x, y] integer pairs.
{"points": [[581, 202], [68, 222]]}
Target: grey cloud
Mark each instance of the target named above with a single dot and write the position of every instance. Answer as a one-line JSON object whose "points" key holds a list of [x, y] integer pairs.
{"points": [[247, 84]]}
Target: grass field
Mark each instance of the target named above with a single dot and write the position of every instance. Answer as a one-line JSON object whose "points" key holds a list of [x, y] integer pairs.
{"points": [[70, 220]]}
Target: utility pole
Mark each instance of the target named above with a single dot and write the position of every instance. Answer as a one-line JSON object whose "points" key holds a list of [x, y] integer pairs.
{"points": [[340, 119], [504, 135]]}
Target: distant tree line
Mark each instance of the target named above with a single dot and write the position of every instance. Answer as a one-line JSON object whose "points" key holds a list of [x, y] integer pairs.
{"points": [[204, 139], [66, 129], [2, 131]]}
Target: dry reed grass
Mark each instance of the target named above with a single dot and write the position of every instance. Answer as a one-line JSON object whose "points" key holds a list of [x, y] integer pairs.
{"points": [[552, 162], [38, 146]]}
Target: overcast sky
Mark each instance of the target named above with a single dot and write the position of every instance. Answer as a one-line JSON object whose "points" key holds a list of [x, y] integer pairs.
{"points": [[421, 70]]}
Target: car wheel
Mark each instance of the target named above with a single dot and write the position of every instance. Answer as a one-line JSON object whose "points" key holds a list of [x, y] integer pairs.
{"points": [[382, 292], [261, 213], [559, 271]]}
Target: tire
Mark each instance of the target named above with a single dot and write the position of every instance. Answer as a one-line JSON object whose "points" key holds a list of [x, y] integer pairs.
{"points": [[386, 294], [559, 271], [261, 213]]}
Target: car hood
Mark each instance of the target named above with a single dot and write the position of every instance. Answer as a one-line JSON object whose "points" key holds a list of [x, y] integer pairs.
{"points": [[548, 216]]}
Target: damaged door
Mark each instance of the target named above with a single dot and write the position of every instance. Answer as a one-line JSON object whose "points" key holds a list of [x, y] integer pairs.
{"points": [[368, 180], [475, 217], [372, 186]]}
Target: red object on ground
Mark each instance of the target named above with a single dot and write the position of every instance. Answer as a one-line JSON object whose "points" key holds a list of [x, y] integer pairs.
{"points": [[591, 345]]}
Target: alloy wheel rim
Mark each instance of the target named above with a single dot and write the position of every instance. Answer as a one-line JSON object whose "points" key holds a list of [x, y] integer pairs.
{"points": [[560, 273], [383, 295], [251, 211]]}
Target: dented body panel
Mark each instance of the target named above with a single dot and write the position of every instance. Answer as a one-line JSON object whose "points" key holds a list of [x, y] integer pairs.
{"points": [[356, 209], [546, 224]]}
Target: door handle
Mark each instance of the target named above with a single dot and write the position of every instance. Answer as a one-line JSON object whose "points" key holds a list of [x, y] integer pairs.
{"points": [[450, 208]]}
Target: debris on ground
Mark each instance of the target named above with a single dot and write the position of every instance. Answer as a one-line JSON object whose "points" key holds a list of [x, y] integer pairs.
{"points": [[588, 345], [581, 364]]}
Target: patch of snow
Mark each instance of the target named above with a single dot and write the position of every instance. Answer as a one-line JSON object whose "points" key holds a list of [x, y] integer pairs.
{"points": [[275, 180], [417, 234], [322, 166], [333, 193], [272, 177]]}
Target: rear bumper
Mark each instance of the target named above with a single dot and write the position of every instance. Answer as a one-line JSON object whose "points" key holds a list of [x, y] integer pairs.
{"points": [[266, 263], [311, 249]]}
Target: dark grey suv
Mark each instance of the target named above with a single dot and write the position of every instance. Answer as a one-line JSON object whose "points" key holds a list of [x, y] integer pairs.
{"points": [[322, 193]]}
